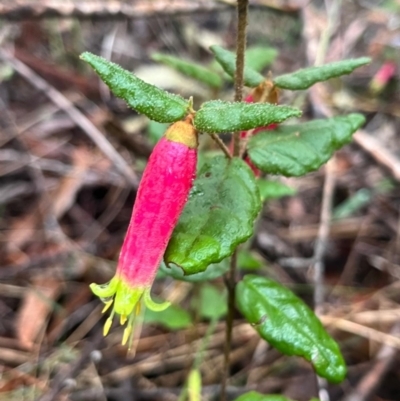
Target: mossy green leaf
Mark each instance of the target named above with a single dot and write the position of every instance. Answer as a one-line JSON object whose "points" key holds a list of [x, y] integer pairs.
{"points": [[217, 116], [294, 150], [304, 78], [189, 69], [218, 216], [147, 99], [288, 324], [227, 60]]}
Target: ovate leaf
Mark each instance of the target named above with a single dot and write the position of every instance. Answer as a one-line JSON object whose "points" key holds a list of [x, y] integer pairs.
{"points": [[259, 57], [212, 302], [254, 396], [218, 216], [286, 322], [227, 60], [303, 79], [189, 69], [294, 150], [217, 116], [147, 99]]}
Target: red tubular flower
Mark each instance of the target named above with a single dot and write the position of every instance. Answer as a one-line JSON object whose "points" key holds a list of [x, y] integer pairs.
{"points": [[161, 197], [383, 76]]}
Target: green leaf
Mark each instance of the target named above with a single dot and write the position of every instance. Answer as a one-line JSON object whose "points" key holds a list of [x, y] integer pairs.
{"points": [[303, 79], [191, 70], [213, 271], [247, 260], [227, 60], [286, 322], [212, 303], [218, 216], [147, 99], [273, 190], [173, 318], [217, 116], [254, 396], [294, 150], [259, 57]]}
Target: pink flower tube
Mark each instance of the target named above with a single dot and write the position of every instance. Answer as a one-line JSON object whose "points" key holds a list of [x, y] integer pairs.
{"points": [[160, 199]]}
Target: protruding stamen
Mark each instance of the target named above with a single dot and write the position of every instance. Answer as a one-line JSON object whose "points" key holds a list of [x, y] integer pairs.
{"points": [[127, 333], [107, 326], [107, 306], [123, 319]]}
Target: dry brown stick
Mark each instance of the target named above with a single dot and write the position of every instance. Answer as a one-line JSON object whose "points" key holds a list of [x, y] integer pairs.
{"points": [[80, 119], [381, 154], [26, 9]]}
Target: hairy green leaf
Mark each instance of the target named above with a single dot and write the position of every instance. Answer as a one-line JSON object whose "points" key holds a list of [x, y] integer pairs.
{"points": [[189, 69], [227, 59], [303, 79], [294, 150], [217, 116], [287, 323], [145, 98], [259, 57], [254, 396], [218, 216]]}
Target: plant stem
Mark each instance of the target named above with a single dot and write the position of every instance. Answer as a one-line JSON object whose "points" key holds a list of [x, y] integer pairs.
{"points": [[221, 144], [242, 7]]}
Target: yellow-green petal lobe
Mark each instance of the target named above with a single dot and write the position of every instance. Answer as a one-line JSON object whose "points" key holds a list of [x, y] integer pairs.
{"points": [[105, 290], [154, 306]]}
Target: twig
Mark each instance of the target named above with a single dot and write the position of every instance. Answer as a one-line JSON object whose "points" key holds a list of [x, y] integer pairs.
{"points": [[80, 119], [27, 9], [242, 9], [221, 144]]}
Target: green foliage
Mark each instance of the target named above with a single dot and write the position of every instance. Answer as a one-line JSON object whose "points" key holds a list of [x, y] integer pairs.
{"points": [[303, 79], [259, 57], [247, 261], [212, 303], [173, 318], [217, 116], [227, 59], [273, 189], [147, 99], [294, 150], [254, 396], [219, 215], [156, 131], [189, 69], [282, 319], [213, 271]]}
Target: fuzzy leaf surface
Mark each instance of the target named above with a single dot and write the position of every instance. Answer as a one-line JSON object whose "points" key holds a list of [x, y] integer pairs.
{"points": [[218, 216], [147, 99], [254, 396], [304, 78], [217, 116], [259, 57], [227, 60], [288, 324], [189, 69], [294, 150]]}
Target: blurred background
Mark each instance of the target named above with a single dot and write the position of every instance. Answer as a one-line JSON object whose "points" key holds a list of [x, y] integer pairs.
{"points": [[71, 158]]}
